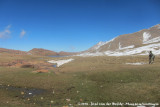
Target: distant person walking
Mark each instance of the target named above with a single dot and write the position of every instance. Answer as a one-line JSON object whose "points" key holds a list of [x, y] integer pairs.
{"points": [[151, 57]]}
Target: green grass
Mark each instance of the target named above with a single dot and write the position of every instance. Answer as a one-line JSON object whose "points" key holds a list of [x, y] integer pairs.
{"points": [[110, 83]]}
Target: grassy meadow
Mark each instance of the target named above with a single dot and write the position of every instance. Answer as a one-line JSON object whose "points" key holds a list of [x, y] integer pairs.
{"points": [[100, 79]]}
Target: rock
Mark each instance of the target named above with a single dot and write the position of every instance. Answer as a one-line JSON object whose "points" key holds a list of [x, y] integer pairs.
{"points": [[68, 100], [41, 98], [22, 93]]}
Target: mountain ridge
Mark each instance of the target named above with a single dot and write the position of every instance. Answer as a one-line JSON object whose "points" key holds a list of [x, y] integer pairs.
{"points": [[137, 43], [36, 51]]}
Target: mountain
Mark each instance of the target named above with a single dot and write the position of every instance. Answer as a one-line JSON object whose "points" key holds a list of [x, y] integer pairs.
{"points": [[11, 51], [36, 51], [45, 52], [138, 43]]}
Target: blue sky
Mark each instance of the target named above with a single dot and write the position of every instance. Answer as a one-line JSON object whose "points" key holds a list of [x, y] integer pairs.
{"points": [[72, 25]]}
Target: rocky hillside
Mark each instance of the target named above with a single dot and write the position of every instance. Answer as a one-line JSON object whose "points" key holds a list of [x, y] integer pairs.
{"points": [[11, 51], [44, 52], [36, 51], [138, 43]]}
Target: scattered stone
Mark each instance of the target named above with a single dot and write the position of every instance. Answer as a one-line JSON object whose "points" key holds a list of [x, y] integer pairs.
{"points": [[68, 100], [22, 93], [81, 100], [52, 101], [41, 98], [77, 92], [29, 93]]}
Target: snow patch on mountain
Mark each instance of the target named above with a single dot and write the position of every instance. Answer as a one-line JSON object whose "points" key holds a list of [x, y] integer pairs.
{"points": [[122, 48], [143, 41], [99, 45], [126, 51], [119, 45], [112, 39], [139, 50], [127, 47], [157, 26], [109, 45], [146, 36], [157, 39]]}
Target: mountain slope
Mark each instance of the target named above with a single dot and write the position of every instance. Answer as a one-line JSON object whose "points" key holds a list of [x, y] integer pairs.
{"points": [[11, 51], [138, 43], [36, 51], [45, 52]]}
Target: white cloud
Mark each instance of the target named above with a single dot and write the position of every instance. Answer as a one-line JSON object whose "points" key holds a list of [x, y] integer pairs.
{"points": [[5, 33], [23, 32]]}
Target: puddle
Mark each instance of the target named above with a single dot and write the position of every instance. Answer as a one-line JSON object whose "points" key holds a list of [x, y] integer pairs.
{"points": [[54, 66], [27, 92]]}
